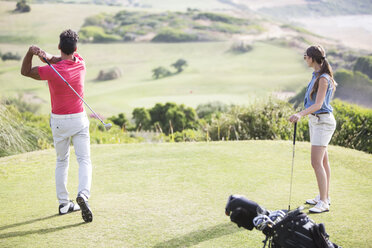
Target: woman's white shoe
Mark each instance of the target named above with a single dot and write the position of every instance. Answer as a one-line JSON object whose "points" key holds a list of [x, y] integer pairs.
{"points": [[320, 207], [316, 200]]}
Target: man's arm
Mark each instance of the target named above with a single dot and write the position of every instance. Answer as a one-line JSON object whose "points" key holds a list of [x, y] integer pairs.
{"points": [[27, 69]]}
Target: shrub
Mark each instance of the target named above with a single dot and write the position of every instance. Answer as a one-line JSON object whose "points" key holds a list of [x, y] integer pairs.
{"points": [[189, 135], [10, 56], [168, 115], [179, 64], [22, 132], [160, 72], [142, 118], [115, 136], [172, 35], [241, 48], [21, 105], [220, 18], [119, 120], [258, 121], [354, 126], [206, 110], [270, 121], [22, 6], [364, 65], [109, 74], [97, 34]]}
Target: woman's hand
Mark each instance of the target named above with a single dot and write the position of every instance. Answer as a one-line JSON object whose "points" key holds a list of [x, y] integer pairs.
{"points": [[295, 118]]}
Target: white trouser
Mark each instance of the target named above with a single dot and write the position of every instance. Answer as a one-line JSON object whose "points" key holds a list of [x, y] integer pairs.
{"points": [[65, 127]]}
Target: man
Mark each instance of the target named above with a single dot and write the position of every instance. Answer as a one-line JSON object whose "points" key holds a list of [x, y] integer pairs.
{"points": [[68, 118]]}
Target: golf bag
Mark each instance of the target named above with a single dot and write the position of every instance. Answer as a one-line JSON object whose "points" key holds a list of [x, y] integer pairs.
{"points": [[282, 229]]}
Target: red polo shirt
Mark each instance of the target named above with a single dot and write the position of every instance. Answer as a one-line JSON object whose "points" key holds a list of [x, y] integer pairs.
{"points": [[64, 100]]}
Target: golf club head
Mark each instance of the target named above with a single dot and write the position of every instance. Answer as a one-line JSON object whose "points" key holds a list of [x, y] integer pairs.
{"points": [[107, 126]]}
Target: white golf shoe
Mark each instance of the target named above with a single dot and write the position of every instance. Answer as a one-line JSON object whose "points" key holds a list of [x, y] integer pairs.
{"points": [[320, 207], [316, 200], [68, 208]]}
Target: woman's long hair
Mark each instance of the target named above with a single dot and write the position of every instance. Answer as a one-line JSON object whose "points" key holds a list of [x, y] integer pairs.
{"points": [[318, 55]]}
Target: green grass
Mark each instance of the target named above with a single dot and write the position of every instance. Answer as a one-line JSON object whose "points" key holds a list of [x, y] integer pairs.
{"points": [[173, 195]]}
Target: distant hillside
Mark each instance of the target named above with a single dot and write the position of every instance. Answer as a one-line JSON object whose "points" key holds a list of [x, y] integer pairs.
{"points": [[192, 25], [320, 8]]}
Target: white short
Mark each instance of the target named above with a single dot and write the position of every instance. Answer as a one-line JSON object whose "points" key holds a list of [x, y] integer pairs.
{"points": [[321, 127]]}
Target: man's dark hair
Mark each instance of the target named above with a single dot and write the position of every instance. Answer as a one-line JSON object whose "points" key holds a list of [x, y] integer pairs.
{"points": [[67, 41]]}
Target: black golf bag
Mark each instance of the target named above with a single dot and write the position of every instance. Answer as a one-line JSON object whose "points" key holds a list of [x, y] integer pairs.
{"points": [[282, 229]]}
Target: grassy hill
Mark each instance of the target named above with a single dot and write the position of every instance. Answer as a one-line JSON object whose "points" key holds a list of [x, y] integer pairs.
{"points": [[173, 195], [213, 73], [190, 26]]}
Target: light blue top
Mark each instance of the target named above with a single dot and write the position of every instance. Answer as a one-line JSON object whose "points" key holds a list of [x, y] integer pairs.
{"points": [[326, 106]]}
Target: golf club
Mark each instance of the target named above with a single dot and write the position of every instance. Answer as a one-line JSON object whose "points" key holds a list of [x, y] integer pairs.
{"points": [[293, 155], [106, 125]]}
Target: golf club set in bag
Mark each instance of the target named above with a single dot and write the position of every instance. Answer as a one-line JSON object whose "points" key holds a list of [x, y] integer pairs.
{"points": [[282, 228]]}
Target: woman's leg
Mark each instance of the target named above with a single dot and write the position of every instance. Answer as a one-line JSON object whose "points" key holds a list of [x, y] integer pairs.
{"points": [[317, 157], [327, 169]]}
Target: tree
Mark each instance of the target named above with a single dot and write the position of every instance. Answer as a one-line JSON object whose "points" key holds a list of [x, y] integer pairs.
{"points": [[175, 117], [142, 118], [179, 64], [160, 72], [179, 116], [120, 120], [22, 6]]}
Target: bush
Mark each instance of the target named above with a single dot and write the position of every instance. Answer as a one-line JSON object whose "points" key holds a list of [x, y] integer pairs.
{"points": [[22, 6], [10, 56], [270, 121], [220, 18], [189, 135], [142, 118], [179, 64], [354, 126], [172, 35], [160, 72], [241, 48], [258, 121], [115, 136], [206, 110], [97, 35], [121, 121], [22, 132], [179, 117], [364, 65], [21, 105], [109, 74]]}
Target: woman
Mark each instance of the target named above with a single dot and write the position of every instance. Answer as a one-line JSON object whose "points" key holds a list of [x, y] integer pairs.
{"points": [[322, 123]]}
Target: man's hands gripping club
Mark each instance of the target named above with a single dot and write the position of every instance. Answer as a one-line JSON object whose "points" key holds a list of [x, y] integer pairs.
{"points": [[27, 69]]}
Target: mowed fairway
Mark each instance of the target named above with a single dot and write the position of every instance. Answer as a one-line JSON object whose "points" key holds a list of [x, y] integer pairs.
{"points": [[173, 195], [213, 73]]}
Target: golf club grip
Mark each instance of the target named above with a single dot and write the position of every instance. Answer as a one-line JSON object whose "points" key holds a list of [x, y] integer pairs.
{"points": [[294, 133], [46, 61]]}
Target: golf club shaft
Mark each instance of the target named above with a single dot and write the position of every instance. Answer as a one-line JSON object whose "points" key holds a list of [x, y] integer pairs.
{"points": [[293, 155], [73, 90]]}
